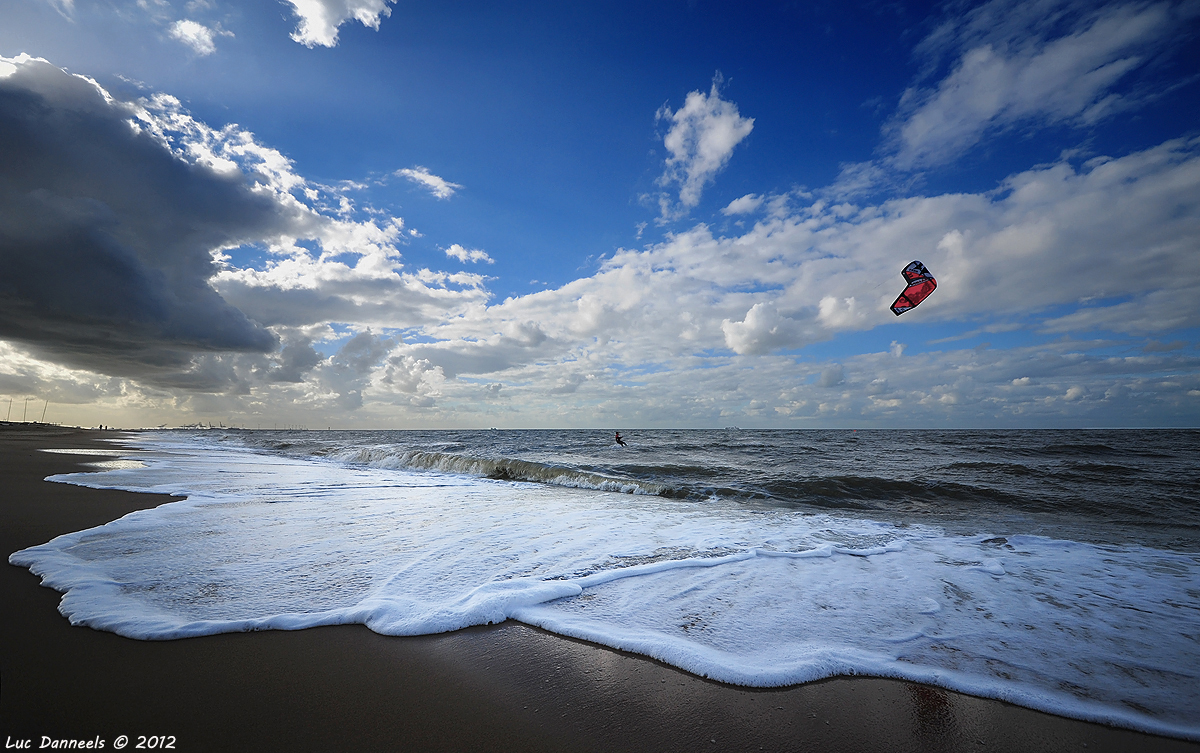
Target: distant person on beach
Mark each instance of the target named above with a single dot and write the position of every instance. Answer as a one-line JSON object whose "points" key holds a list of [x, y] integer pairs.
{"points": [[619, 440]]}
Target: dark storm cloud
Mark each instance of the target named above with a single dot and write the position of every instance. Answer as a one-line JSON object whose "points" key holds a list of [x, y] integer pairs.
{"points": [[106, 235], [295, 360], [361, 300], [350, 369]]}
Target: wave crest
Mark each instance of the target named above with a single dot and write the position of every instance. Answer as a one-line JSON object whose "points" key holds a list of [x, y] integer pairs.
{"points": [[500, 469]]}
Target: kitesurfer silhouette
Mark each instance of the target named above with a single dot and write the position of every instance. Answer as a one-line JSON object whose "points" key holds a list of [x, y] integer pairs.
{"points": [[619, 440]]}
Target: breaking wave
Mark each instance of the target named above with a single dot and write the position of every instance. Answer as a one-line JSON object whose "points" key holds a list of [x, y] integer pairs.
{"points": [[500, 469]]}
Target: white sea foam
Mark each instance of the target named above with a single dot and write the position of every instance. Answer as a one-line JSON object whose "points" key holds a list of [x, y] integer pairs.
{"points": [[761, 598]]}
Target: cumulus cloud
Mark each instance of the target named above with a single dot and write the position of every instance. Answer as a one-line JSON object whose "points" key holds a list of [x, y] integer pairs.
{"points": [[197, 36], [745, 205], [439, 187], [832, 376], [298, 288], [692, 330], [295, 360], [700, 140], [361, 353], [1111, 236], [320, 19], [106, 235], [1066, 248], [349, 372], [468, 254], [408, 375], [115, 220], [764, 329]]}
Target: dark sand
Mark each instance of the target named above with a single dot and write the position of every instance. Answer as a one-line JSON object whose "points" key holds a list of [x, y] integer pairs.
{"points": [[510, 687]]}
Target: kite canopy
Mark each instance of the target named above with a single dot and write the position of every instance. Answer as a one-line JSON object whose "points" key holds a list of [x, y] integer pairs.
{"points": [[920, 285]]}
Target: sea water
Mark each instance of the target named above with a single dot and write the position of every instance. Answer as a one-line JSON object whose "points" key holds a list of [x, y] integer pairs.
{"points": [[1059, 570]]}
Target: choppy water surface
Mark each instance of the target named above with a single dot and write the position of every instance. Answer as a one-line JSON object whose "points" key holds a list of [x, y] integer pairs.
{"points": [[1056, 569], [1111, 485]]}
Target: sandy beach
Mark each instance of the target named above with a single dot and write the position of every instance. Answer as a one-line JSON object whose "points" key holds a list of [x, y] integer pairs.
{"points": [[508, 687]]}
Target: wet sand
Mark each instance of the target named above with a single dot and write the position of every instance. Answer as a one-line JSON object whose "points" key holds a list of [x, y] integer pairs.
{"points": [[508, 687]]}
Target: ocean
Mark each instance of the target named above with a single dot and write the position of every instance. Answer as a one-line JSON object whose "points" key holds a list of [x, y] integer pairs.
{"points": [[1059, 570]]}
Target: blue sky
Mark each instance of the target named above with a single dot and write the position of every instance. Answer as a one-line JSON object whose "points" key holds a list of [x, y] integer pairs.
{"points": [[689, 214]]}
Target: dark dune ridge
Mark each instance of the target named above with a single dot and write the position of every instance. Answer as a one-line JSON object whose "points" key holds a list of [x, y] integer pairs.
{"points": [[508, 687]]}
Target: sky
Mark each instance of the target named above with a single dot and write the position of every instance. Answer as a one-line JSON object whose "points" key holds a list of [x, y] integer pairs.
{"points": [[376, 214]]}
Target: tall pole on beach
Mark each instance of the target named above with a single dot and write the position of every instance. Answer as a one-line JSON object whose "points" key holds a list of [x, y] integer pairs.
{"points": [[44, 412], [9, 409], [25, 415]]}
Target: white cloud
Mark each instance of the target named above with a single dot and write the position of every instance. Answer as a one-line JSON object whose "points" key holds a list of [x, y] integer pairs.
{"points": [[832, 376], [687, 331], [439, 187], [859, 178], [197, 36], [468, 254], [127, 271], [1051, 237], [65, 7], [320, 19], [745, 205], [10, 66], [842, 313], [761, 331], [701, 138], [1013, 66]]}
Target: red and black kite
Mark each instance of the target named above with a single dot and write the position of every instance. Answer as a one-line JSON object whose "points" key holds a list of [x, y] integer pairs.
{"points": [[920, 285]]}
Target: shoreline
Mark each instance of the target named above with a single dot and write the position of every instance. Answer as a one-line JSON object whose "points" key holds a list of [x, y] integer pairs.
{"points": [[505, 687]]}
